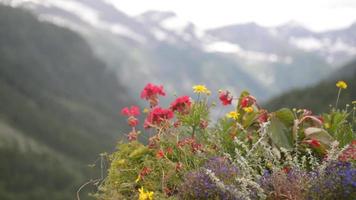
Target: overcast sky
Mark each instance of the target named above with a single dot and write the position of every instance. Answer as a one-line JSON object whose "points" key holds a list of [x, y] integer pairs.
{"points": [[318, 15]]}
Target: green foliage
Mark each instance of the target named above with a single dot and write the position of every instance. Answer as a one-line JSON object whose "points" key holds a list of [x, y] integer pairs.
{"points": [[230, 158], [319, 97]]}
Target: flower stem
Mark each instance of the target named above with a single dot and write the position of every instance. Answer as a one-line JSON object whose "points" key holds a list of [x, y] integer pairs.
{"points": [[338, 97]]}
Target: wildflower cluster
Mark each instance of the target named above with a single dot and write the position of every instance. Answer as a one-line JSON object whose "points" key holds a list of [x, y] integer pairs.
{"points": [[249, 153]]}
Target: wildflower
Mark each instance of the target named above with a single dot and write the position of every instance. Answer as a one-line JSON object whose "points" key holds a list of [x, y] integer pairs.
{"points": [[157, 116], [144, 172], [169, 150], [181, 104], [286, 169], [263, 117], [353, 102], [327, 125], [145, 195], [314, 143], [248, 109], [233, 115], [349, 153], [133, 111], [160, 154], [146, 110], [201, 89], [151, 92], [341, 84], [225, 97], [132, 121], [247, 101]]}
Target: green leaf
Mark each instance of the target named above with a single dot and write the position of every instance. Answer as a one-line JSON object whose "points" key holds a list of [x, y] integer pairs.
{"points": [[286, 116], [280, 134]]}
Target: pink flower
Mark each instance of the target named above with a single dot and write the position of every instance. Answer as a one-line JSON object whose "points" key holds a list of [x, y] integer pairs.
{"points": [[181, 104], [131, 113], [134, 111], [151, 92], [225, 98], [247, 101], [157, 116]]}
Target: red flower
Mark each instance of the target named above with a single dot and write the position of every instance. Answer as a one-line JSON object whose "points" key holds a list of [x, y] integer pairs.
{"points": [[263, 117], [145, 171], [131, 113], [132, 121], [349, 153], [225, 98], [157, 116], [169, 150], [151, 92], [314, 143], [181, 104], [247, 101], [134, 111], [286, 169], [160, 154]]}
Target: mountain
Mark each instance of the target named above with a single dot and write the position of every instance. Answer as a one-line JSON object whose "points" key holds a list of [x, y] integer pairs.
{"points": [[319, 97], [58, 108], [163, 48]]}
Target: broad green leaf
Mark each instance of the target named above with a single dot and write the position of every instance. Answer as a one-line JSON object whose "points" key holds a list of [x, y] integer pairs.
{"points": [[280, 134], [286, 116]]}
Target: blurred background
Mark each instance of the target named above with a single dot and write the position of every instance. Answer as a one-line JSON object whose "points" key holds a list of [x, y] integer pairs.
{"points": [[67, 67]]}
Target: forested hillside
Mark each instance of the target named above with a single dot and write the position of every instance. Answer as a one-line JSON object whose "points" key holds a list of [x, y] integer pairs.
{"points": [[320, 96], [58, 108]]}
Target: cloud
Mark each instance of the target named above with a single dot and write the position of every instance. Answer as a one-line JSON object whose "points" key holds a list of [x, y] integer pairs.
{"points": [[317, 14]]}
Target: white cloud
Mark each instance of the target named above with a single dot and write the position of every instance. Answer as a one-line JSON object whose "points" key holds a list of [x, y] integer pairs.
{"points": [[317, 14]]}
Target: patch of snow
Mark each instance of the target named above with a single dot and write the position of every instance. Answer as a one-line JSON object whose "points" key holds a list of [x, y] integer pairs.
{"points": [[255, 56], [324, 45], [307, 43], [223, 47]]}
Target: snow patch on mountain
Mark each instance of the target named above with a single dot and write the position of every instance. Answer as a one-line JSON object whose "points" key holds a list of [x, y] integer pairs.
{"points": [[325, 45], [254, 56]]}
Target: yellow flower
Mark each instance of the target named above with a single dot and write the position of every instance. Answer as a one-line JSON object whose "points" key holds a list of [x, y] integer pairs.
{"points": [[327, 125], [145, 195], [341, 84], [146, 110], [248, 109], [233, 115], [201, 89], [354, 102]]}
